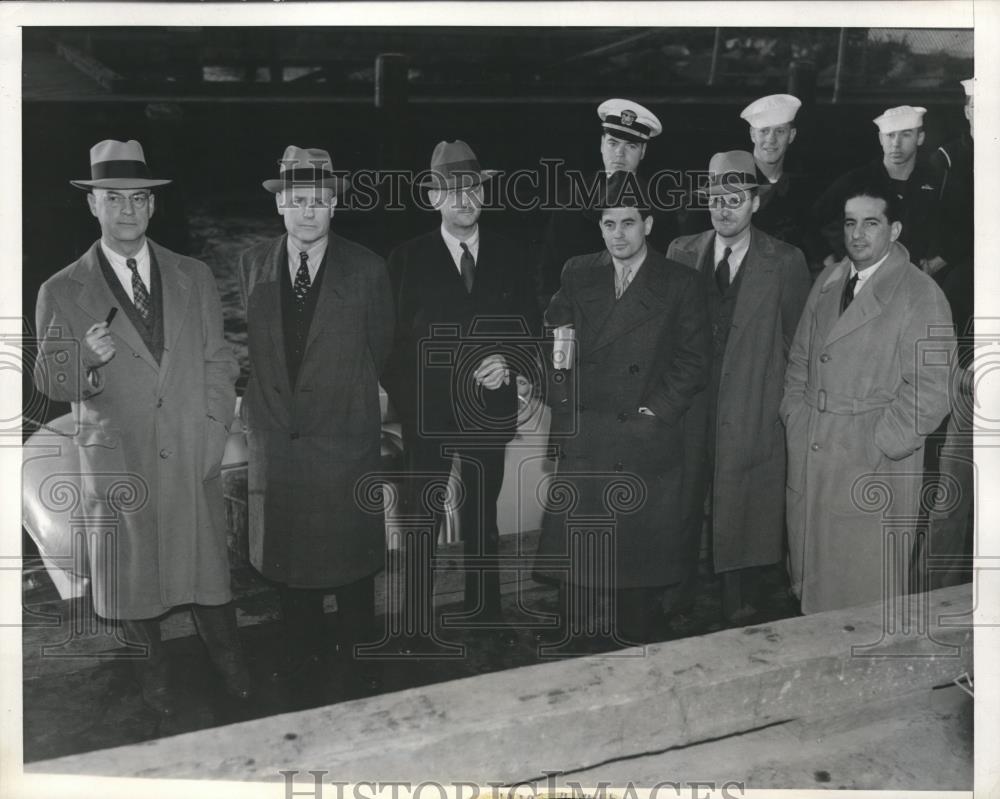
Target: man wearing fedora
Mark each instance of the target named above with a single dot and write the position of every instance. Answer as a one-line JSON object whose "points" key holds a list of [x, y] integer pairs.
{"points": [[319, 328], [467, 290], [901, 170], [756, 286], [642, 357], [626, 129], [131, 335]]}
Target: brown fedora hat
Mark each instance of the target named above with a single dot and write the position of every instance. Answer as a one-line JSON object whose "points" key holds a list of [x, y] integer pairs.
{"points": [[306, 167], [454, 165], [118, 165]]}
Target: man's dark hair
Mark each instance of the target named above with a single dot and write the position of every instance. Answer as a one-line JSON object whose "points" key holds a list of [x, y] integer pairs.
{"points": [[877, 192], [622, 190]]}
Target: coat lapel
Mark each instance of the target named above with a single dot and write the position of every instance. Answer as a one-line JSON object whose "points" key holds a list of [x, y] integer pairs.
{"points": [[636, 305], [756, 283], [176, 296], [867, 305], [694, 251], [268, 286], [96, 299], [333, 290], [597, 295]]}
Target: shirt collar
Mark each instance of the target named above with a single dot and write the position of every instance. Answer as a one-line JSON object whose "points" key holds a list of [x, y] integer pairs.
{"points": [[454, 244], [868, 271], [739, 250], [118, 261], [315, 253]]}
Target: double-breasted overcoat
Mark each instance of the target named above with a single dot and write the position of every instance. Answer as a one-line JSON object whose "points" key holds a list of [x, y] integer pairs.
{"points": [[622, 471]]}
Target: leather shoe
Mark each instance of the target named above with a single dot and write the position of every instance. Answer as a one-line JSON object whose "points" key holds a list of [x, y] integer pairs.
{"points": [[152, 679]]}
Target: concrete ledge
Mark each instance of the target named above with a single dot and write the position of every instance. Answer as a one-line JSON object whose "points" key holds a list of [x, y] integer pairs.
{"points": [[569, 715]]}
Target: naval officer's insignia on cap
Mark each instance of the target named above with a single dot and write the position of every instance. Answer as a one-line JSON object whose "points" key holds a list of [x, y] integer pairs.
{"points": [[628, 120]]}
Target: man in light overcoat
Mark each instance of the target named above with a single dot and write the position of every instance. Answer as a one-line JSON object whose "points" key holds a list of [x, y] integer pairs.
{"points": [[756, 286], [131, 335], [867, 381]]}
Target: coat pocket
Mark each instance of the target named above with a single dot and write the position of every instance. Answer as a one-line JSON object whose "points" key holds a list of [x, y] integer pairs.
{"points": [[214, 443]]}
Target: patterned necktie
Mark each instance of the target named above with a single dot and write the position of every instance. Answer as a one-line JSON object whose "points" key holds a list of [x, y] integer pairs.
{"points": [[140, 296], [302, 282], [848, 294], [622, 280], [722, 276], [467, 266]]}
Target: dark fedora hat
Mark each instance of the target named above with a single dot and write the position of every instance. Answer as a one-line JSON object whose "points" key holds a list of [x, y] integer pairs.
{"points": [[454, 165], [303, 168], [118, 165]]}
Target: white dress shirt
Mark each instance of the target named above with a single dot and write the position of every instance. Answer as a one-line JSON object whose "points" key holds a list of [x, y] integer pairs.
{"points": [[123, 273], [315, 253], [865, 274], [454, 246], [739, 251]]}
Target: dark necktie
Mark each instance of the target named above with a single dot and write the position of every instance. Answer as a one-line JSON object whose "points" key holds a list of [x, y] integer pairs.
{"points": [[722, 278], [848, 295], [140, 296], [302, 281], [467, 266]]}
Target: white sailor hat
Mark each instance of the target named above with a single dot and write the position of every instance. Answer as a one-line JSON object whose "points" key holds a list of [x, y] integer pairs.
{"points": [[775, 109], [902, 117], [969, 85], [628, 120]]}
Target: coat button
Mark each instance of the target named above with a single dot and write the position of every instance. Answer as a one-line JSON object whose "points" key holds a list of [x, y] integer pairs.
{"points": [[622, 417], [815, 448], [824, 358], [164, 453], [619, 467], [159, 402], [633, 369]]}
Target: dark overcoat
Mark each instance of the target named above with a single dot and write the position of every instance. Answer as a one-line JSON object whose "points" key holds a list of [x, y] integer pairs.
{"points": [[748, 479], [862, 391], [443, 333], [150, 434], [621, 471], [312, 524]]}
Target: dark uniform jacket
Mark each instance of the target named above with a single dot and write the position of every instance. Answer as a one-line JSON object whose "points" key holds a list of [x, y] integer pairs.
{"points": [[919, 199]]}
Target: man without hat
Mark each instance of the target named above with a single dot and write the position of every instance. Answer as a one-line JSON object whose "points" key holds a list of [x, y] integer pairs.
{"points": [[756, 286], [131, 335], [319, 328], [782, 194], [643, 354], [902, 171], [626, 129], [466, 323], [950, 544], [867, 380]]}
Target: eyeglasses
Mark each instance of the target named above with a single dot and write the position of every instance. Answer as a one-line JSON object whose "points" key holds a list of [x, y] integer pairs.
{"points": [[727, 200], [116, 200]]}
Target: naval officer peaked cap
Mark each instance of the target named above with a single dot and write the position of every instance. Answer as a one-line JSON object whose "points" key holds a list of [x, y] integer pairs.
{"points": [[629, 120]]}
